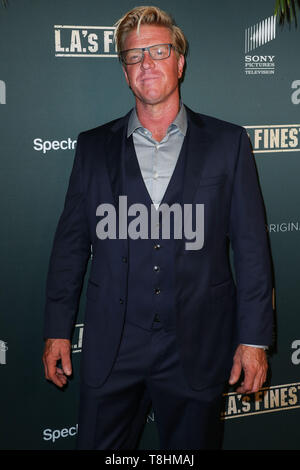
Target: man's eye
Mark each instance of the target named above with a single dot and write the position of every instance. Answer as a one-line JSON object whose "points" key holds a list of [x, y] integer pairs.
{"points": [[133, 55]]}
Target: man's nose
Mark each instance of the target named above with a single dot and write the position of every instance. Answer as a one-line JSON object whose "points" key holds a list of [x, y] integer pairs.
{"points": [[147, 61]]}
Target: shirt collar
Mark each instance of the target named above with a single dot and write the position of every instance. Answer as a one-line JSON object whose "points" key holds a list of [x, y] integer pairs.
{"points": [[180, 122]]}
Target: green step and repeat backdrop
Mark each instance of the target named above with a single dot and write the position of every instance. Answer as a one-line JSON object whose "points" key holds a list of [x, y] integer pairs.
{"points": [[59, 75]]}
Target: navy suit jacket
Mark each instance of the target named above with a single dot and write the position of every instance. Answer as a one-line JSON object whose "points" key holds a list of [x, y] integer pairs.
{"points": [[215, 308]]}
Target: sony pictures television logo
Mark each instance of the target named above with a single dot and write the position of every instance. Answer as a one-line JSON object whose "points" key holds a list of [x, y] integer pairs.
{"points": [[84, 41], [258, 59]]}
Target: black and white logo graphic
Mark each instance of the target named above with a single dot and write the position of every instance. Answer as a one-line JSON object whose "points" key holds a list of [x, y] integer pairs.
{"points": [[2, 92], [283, 227], [46, 145], [3, 349], [53, 435], [296, 94], [84, 41], [295, 357], [274, 138], [267, 400], [257, 36], [77, 338]]}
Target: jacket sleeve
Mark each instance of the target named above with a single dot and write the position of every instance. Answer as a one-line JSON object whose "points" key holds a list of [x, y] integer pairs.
{"points": [[69, 258], [252, 261]]}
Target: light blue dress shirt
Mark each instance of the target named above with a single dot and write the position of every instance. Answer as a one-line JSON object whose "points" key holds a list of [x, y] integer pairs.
{"points": [[157, 160]]}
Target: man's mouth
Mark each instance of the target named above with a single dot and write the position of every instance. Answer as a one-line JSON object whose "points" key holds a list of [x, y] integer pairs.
{"points": [[150, 77]]}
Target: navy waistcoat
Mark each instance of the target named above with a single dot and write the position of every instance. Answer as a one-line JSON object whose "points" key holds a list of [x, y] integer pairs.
{"points": [[151, 278]]}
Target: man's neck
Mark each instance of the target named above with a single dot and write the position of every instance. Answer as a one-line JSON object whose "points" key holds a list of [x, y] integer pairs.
{"points": [[157, 118]]}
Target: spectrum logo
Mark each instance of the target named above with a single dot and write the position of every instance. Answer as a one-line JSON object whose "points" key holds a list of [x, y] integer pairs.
{"points": [[55, 434], [45, 146]]}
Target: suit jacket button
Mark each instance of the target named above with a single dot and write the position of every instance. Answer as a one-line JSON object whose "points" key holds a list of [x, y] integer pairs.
{"points": [[121, 301], [157, 290], [157, 246], [124, 259]]}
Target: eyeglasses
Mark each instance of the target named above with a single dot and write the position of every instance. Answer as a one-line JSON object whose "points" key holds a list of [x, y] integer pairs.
{"points": [[157, 52]]}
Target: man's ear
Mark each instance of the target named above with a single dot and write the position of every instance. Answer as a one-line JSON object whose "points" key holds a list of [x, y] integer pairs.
{"points": [[125, 73], [180, 65]]}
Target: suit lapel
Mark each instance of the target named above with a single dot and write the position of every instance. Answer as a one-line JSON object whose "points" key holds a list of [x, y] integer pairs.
{"points": [[198, 142], [115, 162], [115, 153]]}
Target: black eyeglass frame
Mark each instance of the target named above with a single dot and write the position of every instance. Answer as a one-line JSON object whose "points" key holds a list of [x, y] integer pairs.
{"points": [[143, 49]]}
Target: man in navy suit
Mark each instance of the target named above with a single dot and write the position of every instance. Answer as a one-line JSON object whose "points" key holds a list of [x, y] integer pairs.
{"points": [[166, 321]]}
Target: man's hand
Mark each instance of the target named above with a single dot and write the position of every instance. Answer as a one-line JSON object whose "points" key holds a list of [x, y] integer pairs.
{"points": [[56, 349], [254, 363]]}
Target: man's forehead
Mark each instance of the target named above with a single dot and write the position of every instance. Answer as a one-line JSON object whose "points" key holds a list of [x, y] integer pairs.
{"points": [[147, 35]]}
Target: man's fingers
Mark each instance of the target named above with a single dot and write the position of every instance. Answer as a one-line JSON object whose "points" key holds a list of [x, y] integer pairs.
{"points": [[54, 375], [57, 376], [60, 376], [259, 381], [66, 362], [253, 381], [55, 350], [235, 372], [254, 363], [247, 384], [50, 367], [45, 367]]}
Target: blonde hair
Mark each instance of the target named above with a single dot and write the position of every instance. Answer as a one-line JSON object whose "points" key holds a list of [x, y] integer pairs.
{"points": [[148, 15]]}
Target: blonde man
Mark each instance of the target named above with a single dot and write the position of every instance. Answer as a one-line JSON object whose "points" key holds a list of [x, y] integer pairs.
{"points": [[166, 326]]}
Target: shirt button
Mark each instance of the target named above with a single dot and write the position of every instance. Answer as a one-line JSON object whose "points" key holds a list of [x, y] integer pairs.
{"points": [[157, 290], [155, 175], [156, 269], [157, 246]]}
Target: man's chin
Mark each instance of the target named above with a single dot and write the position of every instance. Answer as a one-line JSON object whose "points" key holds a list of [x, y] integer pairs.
{"points": [[151, 99]]}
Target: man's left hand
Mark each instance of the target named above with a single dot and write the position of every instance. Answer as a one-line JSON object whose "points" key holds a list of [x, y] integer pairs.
{"points": [[253, 361]]}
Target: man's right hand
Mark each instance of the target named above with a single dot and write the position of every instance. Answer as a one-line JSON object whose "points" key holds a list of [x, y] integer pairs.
{"points": [[55, 350]]}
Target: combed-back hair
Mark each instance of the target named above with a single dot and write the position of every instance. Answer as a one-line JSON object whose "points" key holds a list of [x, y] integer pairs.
{"points": [[150, 15]]}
